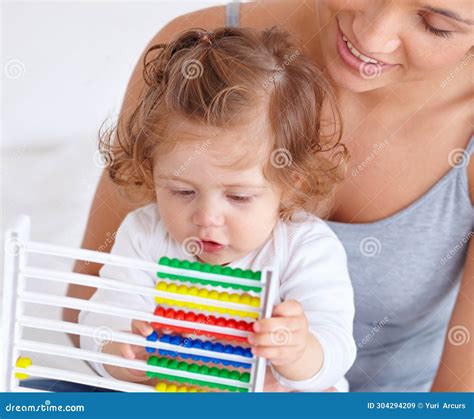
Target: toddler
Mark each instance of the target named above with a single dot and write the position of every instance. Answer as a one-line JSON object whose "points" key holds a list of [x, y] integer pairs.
{"points": [[228, 149]]}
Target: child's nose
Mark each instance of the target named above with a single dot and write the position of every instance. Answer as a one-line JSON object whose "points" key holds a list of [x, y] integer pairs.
{"points": [[208, 215]]}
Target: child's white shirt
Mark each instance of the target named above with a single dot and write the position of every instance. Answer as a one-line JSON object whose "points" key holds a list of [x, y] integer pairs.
{"points": [[308, 256]]}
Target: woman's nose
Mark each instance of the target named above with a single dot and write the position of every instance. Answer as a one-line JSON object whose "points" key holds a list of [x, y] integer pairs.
{"points": [[379, 32]]}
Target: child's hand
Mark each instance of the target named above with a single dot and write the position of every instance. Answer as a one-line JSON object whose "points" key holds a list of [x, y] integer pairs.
{"points": [[128, 351], [283, 338]]}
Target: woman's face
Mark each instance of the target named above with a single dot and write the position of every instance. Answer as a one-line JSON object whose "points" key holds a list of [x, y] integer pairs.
{"points": [[369, 44]]}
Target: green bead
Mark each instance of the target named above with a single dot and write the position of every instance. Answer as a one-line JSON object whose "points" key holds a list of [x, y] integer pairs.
{"points": [[227, 271], [224, 373], [183, 366], [245, 377], [173, 364], [193, 368], [164, 261], [162, 362], [203, 370], [217, 269], [196, 266], [153, 360], [214, 371], [206, 267], [185, 264], [234, 375]]}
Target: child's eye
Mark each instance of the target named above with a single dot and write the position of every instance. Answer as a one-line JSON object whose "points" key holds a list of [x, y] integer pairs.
{"points": [[183, 192], [240, 199]]}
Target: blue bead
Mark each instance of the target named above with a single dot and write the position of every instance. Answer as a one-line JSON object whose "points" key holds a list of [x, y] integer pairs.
{"points": [[218, 347], [165, 338], [150, 350], [207, 345], [152, 337], [187, 343], [176, 340], [229, 349], [248, 353], [238, 350]]}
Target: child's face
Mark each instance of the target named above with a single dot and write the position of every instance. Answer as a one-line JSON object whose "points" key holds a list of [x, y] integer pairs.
{"points": [[205, 203]]}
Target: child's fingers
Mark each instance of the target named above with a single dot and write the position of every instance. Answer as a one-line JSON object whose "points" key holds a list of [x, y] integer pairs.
{"points": [[282, 324], [288, 308], [132, 352], [126, 351], [278, 356], [140, 327], [278, 338]]}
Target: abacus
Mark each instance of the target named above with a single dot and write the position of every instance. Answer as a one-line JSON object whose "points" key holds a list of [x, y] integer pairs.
{"points": [[203, 316]]}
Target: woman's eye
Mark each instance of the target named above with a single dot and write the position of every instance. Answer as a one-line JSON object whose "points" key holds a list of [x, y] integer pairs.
{"points": [[433, 30], [239, 198]]}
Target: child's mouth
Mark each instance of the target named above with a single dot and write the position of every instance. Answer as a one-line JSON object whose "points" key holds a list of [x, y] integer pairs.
{"points": [[211, 246]]}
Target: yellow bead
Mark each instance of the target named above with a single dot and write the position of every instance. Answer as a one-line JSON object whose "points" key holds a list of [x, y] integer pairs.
{"points": [[255, 302], [192, 390], [193, 291], [182, 290], [172, 288], [182, 389], [234, 298], [161, 387], [224, 296], [161, 286], [172, 388], [214, 295], [22, 362], [245, 299], [203, 293]]}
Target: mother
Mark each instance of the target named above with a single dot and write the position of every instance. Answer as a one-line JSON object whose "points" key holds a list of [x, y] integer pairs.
{"points": [[405, 213]]}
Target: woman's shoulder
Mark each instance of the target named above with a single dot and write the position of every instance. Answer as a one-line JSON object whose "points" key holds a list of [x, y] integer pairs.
{"points": [[298, 18]]}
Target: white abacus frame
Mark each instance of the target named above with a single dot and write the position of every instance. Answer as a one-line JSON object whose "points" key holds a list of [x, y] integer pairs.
{"points": [[16, 269]]}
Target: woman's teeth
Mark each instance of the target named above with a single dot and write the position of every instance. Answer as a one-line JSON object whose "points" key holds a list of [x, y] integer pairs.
{"points": [[357, 54]]}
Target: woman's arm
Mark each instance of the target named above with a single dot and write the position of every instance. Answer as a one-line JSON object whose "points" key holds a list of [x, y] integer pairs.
{"points": [[456, 372], [109, 208]]}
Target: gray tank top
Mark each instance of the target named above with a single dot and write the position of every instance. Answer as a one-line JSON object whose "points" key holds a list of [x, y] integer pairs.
{"points": [[405, 270]]}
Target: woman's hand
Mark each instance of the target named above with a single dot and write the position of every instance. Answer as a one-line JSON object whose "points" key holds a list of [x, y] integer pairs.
{"points": [[284, 337], [128, 351]]}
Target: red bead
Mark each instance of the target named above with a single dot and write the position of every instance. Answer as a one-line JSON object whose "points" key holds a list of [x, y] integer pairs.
{"points": [[180, 315], [211, 320]]}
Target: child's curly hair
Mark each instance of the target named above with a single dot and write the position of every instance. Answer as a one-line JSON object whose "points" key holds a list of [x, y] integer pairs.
{"points": [[215, 78]]}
